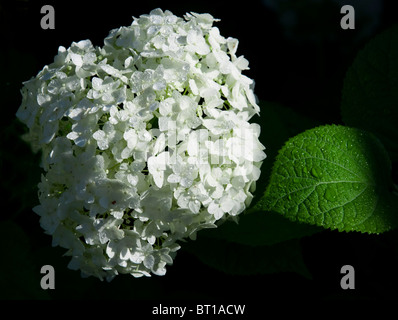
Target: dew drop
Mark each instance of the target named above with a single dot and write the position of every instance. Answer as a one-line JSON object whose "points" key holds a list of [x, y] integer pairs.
{"points": [[357, 186], [316, 172], [296, 153], [296, 180], [330, 194], [311, 149]]}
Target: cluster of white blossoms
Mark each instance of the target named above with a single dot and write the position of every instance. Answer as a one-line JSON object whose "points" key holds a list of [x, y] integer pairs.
{"points": [[144, 141]]}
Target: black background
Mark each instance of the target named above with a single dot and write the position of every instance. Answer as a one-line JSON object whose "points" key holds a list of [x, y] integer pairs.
{"points": [[303, 71]]}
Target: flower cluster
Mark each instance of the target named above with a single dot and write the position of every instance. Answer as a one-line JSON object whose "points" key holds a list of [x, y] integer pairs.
{"points": [[144, 141]]}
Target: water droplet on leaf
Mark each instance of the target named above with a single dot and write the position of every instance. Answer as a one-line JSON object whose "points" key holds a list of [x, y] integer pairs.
{"points": [[316, 172], [330, 194]]}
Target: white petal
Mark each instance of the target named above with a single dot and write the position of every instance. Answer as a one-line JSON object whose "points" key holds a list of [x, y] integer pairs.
{"points": [[173, 178], [125, 254], [154, 168], [97, 83], [215, 210], [160, 144], [72, 135], [76, 59], [194, 87], [227, 204], [99, 135], [193, 145]]}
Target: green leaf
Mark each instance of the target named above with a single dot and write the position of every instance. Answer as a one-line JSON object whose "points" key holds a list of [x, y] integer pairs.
{"points": [[336, 177], [238, 259], [370, 92]]}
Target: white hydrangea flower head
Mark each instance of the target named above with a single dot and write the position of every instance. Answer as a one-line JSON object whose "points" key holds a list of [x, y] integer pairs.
{"points": [[144, 141]]}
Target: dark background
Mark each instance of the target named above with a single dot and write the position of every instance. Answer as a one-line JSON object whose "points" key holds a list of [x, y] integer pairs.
{"points": [[301, 67]]}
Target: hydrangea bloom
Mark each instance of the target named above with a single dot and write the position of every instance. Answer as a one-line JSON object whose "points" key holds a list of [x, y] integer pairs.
{"points": [[144, 141]]}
